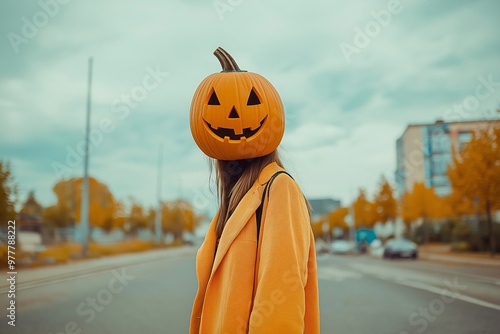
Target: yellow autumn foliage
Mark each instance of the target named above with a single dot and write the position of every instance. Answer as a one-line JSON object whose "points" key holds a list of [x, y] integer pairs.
{"points": [[102, 205]]}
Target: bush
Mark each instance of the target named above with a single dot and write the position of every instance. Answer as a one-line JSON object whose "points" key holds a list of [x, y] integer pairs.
{"points": [[60, 253], [129, 246], [424, 233], [446, 230], [63, 252], [460, 246], [480, 241], [462, 231]]}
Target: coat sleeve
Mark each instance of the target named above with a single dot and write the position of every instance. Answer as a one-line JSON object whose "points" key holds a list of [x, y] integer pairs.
{"points": [[279, 303]]}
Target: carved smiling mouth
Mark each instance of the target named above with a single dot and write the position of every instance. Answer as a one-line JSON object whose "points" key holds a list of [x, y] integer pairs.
{"points": [[225, 132]]}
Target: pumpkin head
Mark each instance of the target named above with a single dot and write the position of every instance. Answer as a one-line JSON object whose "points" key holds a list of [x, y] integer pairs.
{"points": [[236, 114]]}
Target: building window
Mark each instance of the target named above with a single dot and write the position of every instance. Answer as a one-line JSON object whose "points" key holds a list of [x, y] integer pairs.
{"points": [[440, 142], [440, 163], [442, 191], [439, 181], [463, 139]]}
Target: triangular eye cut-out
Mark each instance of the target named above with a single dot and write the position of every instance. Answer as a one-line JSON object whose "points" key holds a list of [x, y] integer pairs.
{"points": [[253, 99], [213, 101]]}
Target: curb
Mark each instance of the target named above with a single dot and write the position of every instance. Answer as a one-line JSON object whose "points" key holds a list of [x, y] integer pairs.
{"points": [[459, 260]]}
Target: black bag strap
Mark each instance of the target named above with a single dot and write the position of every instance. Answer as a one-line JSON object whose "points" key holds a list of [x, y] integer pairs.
{"points": [[258, 212], [258, 216]]}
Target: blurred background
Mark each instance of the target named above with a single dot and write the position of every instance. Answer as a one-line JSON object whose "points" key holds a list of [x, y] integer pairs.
{"points": [[392, 131]]}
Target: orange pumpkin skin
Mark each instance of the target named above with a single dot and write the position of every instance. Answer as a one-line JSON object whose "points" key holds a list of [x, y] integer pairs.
{"points": [[236, 115]]}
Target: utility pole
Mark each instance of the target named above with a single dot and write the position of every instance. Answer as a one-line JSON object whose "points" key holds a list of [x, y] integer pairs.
{"points": [[352, 219], [158, 227], [84, 215]]}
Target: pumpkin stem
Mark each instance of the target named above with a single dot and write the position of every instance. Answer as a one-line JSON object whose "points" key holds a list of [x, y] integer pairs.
{"points": [[226, 61]]}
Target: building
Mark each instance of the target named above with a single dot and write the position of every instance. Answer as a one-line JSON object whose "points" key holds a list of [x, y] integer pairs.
{"points": [[424, 151], [321, 207]]}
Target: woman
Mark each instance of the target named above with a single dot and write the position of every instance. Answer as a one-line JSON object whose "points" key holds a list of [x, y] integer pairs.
{"points": [[257, 266]]}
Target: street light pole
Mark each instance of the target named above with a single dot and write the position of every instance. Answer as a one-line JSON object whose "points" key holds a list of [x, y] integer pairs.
{"points": [[84, 214], [158, 231]]}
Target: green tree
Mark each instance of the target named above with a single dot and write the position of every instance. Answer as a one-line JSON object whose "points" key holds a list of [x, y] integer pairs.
{"points": [[8, 194]]}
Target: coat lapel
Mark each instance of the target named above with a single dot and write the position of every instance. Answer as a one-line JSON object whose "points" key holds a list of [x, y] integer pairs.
{"points": [[243, 212], [236, 222]]}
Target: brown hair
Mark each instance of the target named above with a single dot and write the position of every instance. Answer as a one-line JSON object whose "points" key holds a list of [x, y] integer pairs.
{"points": [[233, 179]]}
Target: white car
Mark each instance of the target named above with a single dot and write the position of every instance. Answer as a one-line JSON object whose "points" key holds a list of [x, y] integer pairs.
{"points": [[342, 247], [400, 248]]}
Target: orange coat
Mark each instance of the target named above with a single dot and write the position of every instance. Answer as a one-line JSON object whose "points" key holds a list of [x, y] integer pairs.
{"points": [[286, 295]]}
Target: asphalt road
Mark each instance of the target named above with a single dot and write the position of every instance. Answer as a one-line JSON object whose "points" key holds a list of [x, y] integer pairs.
{"points": [[367, 295], [358, 295]]}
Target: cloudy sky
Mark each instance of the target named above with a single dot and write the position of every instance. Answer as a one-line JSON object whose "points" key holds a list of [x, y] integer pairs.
{"points": [[352, 76]]}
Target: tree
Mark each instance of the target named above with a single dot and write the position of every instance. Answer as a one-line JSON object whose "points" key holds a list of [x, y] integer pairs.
{"points": [[419, 203], [385, 207], [31, 207], [423, 203], [336, 218], [151, 218], [103, 207], [461, 206], [475, 175], [137, 218], [57, 216], [363, 211], [8, 194], [179, 216], [317, 228], [120, 215]]}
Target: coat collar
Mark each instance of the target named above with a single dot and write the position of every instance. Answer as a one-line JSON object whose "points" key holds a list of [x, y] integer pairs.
{"points": [[243, 212]]}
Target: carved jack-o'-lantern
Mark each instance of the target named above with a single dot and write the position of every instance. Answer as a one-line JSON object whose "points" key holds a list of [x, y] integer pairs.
{"points": [[236, 114]]}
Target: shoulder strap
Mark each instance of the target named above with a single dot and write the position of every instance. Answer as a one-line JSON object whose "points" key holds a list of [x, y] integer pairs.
{"points": [[258, 212], [258, 216]]}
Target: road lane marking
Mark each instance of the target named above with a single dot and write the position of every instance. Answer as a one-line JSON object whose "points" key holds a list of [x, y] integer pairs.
{"points": [[393, 273], [460, 296], [329, 274], [485, 279], [458, 260]]}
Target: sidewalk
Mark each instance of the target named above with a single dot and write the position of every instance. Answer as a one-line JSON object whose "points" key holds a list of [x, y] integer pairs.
{"points": [[443, 253], [35, 276]]}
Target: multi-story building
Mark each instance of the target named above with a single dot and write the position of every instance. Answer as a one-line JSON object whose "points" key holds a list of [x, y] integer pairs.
{"points": [[424, 151], [322, 206]]}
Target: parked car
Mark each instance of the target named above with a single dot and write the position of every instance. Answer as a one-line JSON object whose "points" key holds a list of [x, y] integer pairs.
{"points": [[342, 247], [400, 248]]}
